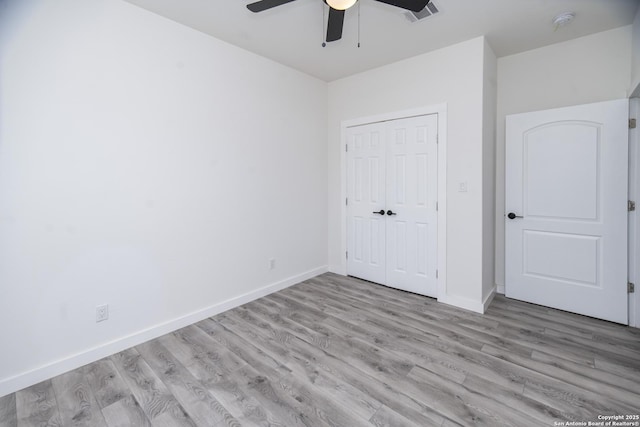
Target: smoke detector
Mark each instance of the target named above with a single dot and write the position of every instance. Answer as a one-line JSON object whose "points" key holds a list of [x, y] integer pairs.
{"points": [[429, 10], [563, 19]]}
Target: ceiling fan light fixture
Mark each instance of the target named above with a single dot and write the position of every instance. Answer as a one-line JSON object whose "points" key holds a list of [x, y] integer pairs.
{"points": [[341, 4]]}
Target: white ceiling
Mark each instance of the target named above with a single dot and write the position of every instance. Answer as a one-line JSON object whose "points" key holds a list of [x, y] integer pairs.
{"points": [[292, 34]]}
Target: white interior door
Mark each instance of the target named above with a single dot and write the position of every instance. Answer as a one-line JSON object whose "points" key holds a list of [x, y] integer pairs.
{"points": [[392, 196], [366, 239], [566, 202], [412, 196]]}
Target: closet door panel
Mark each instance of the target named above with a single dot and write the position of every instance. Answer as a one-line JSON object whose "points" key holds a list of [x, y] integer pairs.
{"points": [[366, 194], [411, 199]]}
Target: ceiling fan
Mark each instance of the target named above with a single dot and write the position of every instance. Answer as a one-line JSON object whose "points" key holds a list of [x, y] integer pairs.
{"points": [[337, 9]]}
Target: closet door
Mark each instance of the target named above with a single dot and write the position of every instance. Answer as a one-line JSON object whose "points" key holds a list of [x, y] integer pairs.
{"points": [[366, 238], [391, 208], [411, 198]]}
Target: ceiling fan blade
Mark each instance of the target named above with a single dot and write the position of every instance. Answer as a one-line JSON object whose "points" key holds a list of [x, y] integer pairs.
{"points": [[413, 5], [334, 24], [259, 6]]}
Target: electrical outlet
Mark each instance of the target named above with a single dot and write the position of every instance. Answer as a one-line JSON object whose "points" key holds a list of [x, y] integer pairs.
{"points": [[102, 313], [272, 264]]}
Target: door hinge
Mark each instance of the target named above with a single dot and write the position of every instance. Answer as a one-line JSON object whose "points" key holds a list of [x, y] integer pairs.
{"points": [[631, 287], [347, 254], [436, 274], [632, 123], [631, 206], [346, 201], [346, 147], [436, 206]]}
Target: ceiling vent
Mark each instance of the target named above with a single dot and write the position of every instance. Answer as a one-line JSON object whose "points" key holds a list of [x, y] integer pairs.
{"points": [[428, 11]]}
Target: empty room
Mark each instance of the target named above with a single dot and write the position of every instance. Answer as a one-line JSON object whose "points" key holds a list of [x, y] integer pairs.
{"points": [[319, 213]]}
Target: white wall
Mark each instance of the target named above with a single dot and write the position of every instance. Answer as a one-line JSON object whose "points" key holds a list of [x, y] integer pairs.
{"points": [[635, 54], [453, 75], [489, 92], [588, 69], [146, 166]]}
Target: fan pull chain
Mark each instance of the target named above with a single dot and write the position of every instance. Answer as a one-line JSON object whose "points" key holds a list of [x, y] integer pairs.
{"points": [[358, 25], [324, 19]]}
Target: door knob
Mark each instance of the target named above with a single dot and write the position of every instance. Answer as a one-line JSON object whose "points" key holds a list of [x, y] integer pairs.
{"points": [[380, 212], [391, 213], [511, 215]]}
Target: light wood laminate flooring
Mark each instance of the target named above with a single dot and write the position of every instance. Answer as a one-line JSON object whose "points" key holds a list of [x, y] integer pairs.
{"points": [[338, 351]]}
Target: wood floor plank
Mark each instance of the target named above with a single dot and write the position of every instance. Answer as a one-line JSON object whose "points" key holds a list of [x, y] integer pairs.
{"points": [[320, 407], [549, 380], [37, 406], [340, 392], [273, 399], [401, 300], [599, 347], [545, 415], [575, 406], [153, 396], [455, 362], [344, 400], [201, 406], [379, 386], [306, 359], [8, 412], [452, 354], [452, 329], [76, 402], [536, 313], [106, 383], [594, 375], [195, 348], [382, 296], [219, 382], [521, 334], [368, 358], [614, 367], [597, 338], [125, 412], [413, 320], [293, 308], [462, 405], [244, 349], [386, 417]]}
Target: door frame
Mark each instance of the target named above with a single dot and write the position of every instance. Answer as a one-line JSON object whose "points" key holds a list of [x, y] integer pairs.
{"points": [[441, 111], [634, 217]]}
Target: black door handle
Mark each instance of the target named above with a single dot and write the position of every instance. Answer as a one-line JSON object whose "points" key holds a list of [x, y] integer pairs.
{"points": [[380, 212], [511, 215], [391, 213]]}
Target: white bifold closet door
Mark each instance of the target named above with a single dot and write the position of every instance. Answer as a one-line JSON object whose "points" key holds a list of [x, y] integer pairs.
{"points": [[392, 203]]}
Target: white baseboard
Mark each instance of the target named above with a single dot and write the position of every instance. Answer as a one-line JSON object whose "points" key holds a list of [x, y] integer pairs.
{"points": [[29, 378], [465, 303], [487, 301], [338, 269]]}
